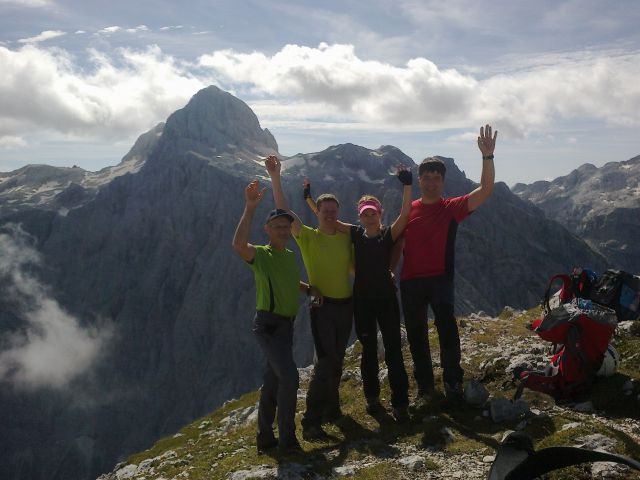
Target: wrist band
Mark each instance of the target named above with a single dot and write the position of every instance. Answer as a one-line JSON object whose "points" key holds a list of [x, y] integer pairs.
{"points": [[487, 157]]}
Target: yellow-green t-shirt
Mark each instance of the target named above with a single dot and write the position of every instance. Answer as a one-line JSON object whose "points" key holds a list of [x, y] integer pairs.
{"points": [[277, 280], [327, 259]]}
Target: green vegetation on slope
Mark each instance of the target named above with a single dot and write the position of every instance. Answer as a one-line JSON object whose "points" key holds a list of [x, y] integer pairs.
{"points": [[212, 447]]}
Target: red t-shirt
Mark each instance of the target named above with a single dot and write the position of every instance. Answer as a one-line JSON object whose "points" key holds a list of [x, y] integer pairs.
{"points": [[430, 235]]}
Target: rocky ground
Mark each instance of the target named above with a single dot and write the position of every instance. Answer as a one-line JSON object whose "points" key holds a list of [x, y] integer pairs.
{"points": [[459, 443]]}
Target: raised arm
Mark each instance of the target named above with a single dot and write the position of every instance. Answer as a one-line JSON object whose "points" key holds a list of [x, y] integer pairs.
{"points": [[405, 177], [252, 196], [273, 168], [487, 145], [308, 198]]}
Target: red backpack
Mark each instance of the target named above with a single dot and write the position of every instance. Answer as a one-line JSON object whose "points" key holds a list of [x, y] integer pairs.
{"points": [[583, 329]]}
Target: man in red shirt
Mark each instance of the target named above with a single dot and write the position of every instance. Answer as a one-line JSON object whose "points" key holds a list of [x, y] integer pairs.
{"points": [[427, 271]]}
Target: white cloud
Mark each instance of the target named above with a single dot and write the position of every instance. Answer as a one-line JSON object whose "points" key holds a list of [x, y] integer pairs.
{"points": [[119, 95], [44, 36], [52, 348], [465, 137], [28, 3], [126, 92], [11, 141], [139, 28], [109, 30], [172, 27], [598, 85], [80, 32], [368, 91]]}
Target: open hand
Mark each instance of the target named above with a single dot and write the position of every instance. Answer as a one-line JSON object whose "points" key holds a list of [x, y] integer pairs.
{"points": [[273, 165], [486, 143], [253, 194]]}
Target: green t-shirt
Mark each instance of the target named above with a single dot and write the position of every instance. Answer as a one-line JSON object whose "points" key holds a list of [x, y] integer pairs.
{"points": [[277, 280], [327, 259]]}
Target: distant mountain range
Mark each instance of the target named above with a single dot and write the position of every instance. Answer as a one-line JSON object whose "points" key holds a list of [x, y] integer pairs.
{"points": [[600, 205], [144, 247]]}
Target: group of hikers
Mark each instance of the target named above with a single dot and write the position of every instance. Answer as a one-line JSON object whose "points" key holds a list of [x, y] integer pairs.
{"points": [[424, 234]]}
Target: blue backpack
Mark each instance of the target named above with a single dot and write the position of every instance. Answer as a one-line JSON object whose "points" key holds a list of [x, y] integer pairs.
{"points": [[619, 291]]}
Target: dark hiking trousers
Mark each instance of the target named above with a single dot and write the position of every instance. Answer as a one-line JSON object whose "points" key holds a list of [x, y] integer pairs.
{"points": [[417, 295], [280, 382], [369, 313], [330, 328]]}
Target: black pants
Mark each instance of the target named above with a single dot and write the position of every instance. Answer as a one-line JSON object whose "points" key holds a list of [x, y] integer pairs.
{"points": [[280, 381], [369, 313], [331, 328], [417, 295]]}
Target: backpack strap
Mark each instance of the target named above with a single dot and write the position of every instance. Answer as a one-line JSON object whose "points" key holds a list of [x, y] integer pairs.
{"points": [[566, 292], [272, 302]]}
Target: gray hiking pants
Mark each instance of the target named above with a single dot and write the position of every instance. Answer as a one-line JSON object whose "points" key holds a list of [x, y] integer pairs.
{"points": [[280, 382]]}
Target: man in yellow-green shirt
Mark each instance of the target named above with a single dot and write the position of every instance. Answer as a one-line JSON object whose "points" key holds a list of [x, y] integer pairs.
{"points": [[327, 258]]}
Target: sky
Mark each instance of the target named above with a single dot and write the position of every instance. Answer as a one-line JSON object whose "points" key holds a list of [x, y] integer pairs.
{"points": [[81, 80]]}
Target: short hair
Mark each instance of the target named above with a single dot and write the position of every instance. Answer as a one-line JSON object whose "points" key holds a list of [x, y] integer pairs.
{"points": [[432, 164], [326, 197]]}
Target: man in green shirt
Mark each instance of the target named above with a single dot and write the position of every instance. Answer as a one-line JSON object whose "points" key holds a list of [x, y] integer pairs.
{"points": [[327, 258], [277, 290]]}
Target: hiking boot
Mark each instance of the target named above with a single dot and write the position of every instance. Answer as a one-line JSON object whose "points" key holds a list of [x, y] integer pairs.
{"points": [[422, 398], [290, 448], [265, 445], [313, 433], [401, 415], [332, 417], [454, 396], [374, 407]]}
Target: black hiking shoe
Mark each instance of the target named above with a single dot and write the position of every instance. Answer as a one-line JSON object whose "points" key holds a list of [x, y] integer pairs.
{"points": [[313, 433], [401, 415], [422, 398], [374, 407], [454, 396], [265, 445], [332, 417], [290, 448]]}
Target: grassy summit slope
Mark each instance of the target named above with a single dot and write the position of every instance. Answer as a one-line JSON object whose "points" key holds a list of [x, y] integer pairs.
{"points": [[456, 444]]}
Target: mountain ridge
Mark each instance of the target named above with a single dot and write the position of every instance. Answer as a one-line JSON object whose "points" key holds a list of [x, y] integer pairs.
{"points": [[149, 253]]}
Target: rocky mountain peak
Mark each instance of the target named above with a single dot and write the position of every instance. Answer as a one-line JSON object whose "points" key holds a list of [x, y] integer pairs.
{"points": [[218, 120], [601, 205]]}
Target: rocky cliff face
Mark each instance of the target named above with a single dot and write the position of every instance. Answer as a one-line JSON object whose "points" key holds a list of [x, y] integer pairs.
{"points": [[600, 205], [148, 254]]}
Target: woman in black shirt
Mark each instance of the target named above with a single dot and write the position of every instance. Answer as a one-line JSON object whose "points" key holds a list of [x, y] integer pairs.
{"points": [[374, 296]]}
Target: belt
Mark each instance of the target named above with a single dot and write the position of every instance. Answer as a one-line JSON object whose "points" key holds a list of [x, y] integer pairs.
{"points": [[279, 317], [337, 301]]}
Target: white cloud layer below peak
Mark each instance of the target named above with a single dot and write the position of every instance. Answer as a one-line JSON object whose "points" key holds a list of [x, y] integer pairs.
{"points": [[51, 348]]}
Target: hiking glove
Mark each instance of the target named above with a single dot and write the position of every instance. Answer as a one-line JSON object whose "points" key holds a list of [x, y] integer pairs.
{"points": [[405, 177]]}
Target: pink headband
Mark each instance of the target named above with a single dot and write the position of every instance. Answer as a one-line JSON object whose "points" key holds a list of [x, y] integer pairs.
{"points": [[369, 204]]}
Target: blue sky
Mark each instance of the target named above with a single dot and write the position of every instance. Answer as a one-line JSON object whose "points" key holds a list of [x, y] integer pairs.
{"points": [[558, 79]]}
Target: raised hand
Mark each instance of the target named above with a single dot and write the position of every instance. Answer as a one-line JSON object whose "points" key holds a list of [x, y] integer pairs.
{"points": [[486, 143], [273, 165], [404, 175], [306, 188], [253, 194]]}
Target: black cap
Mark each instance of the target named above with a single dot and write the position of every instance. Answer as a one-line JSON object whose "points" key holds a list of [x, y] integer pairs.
{"points": [[278, 212]]}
